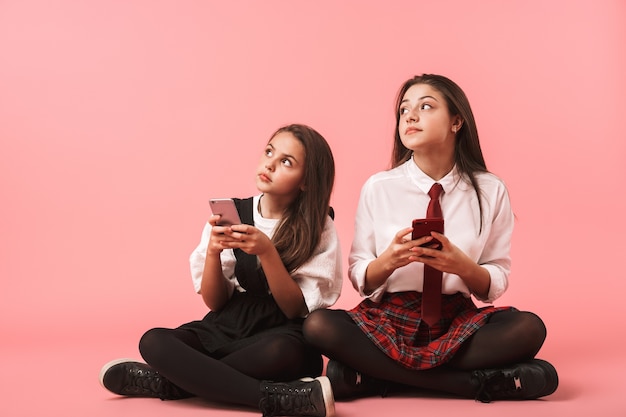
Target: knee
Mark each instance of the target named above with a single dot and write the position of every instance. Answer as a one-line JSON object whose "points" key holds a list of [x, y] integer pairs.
{"points": [[284, 349], [534, 330], [150, 345], [314, 327]]}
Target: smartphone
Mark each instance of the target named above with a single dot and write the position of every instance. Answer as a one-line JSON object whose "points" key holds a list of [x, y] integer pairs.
{"points": [[226, 208], [423, 227]]}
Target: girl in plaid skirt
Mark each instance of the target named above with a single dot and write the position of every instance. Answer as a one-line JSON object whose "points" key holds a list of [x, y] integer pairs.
{"points": [[486, 353]]}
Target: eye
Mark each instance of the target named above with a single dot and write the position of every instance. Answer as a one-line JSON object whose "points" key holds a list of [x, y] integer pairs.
{"points": [[426, 106], [286, 162], [268, 152], [403, 110]]}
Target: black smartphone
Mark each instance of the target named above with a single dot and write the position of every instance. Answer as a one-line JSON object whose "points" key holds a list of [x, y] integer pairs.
{"points": [[423, 227], [226, 208]]}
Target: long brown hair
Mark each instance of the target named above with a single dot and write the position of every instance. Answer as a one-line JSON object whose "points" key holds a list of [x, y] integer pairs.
{"points": [[468, 155], [300, 228]]}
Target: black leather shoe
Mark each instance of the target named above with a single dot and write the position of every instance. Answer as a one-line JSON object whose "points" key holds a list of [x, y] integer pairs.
{"points": [[305, 397], [135, 379], [524, 381], [348, 383]]}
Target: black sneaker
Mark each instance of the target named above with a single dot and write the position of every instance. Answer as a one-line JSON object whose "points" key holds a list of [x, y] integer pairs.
{"points": [[135, 379], [348, 383], [305, 397], [524, 381]]}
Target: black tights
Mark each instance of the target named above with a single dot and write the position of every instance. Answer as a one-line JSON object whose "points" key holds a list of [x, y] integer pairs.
{"points": [[509, 337], [179, 356]]}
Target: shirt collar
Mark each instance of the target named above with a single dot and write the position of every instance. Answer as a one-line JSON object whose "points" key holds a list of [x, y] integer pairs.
{"points": [[424, 182]]}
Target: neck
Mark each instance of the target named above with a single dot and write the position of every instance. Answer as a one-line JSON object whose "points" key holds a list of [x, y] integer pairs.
{"points": [[435, 168], [271, 208]]}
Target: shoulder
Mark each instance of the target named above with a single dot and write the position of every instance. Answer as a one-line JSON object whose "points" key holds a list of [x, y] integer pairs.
{"points": [[493, 190], [383, 178], [489, 179], [330, 236], [329, 228], [329, 239]]}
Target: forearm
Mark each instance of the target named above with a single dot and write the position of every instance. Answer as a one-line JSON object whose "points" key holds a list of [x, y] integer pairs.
{"points": [[214, 289], [285, 290], [477, 279], [377, 273]]}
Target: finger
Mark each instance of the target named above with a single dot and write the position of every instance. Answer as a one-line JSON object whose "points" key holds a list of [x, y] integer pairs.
{"points": [[423, 241], [432, 263], [220, 230], [425, 251], [238, 236], [401, 236], [420, 258], [241, 228], [229, 238], [440, 237], [214, 219]]}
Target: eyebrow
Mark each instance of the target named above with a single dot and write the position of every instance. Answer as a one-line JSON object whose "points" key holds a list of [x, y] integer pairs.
{"points": [[286, 155], [419, 99]]}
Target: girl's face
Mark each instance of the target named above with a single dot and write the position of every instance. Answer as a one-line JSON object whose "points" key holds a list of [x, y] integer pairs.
{"points": [[281, 168], [425, 123]]}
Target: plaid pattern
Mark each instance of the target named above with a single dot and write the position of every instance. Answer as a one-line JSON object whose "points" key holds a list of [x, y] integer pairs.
{"points": [[394, 324]]}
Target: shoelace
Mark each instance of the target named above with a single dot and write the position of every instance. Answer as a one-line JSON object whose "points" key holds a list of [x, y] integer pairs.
{"points": [[497, 382], [292, 401], [151, 383]]}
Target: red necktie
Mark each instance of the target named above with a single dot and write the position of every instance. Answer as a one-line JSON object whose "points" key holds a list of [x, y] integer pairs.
{"points": [[431, 296]]}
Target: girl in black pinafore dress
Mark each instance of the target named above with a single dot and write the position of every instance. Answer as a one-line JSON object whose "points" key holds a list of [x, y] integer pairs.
{"points": [[250, 315], [260, 279]]}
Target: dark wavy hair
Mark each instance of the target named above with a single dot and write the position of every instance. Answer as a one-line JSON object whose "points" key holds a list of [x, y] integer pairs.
{"points": [[300, 228], [468, 156]]}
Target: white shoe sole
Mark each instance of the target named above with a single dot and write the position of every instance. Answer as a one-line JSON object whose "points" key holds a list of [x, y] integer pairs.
{"points": [[329, 398], [327, 393], [110, 364]]}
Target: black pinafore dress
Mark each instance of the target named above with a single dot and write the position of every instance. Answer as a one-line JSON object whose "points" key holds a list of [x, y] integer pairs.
{"points": [[248, 316]]}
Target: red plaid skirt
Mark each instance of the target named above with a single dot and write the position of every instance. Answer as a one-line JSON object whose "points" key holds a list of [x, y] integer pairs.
{"points": [[395, 325]]}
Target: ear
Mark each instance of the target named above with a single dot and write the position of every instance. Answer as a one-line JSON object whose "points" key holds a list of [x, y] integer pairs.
{"points": [[457, 124]]}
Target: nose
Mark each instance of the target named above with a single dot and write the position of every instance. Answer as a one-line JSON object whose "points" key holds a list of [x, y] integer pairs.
{"points": [[269, 164], [412, 116]]}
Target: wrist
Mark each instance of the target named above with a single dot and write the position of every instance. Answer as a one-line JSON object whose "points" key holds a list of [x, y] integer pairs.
{"points": [[213, 252]]}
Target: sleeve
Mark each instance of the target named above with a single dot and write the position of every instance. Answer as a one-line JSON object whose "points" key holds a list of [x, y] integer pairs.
{"points": [[198, 256], [363, 249], [496, 255], [320, 278]]}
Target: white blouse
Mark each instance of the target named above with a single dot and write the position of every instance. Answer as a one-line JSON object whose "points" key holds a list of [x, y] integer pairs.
{"points": [[320, 278], [391, 199]]}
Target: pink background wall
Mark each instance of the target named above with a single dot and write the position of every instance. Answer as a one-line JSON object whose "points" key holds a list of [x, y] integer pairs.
{"points": [[119, 119]]}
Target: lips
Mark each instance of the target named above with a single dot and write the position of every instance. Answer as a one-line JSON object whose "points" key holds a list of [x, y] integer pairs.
{"points": [[411, 130], [264, 178]]}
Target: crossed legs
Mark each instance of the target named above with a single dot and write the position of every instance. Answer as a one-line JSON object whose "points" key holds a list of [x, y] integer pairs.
{"points": [[179, 356], [508, 337]]}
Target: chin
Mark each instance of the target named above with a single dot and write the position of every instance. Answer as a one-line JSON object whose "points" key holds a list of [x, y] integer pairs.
{"points": [[261, 186]]}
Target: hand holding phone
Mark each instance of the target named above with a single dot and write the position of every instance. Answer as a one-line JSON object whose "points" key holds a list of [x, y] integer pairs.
{"points": [[423, 227], [226, 208]]}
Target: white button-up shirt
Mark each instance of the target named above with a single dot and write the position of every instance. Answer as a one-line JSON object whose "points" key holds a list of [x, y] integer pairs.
{"points": [[391, 199], [320, 278]]}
